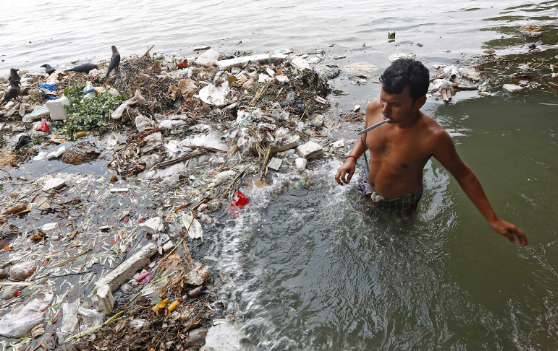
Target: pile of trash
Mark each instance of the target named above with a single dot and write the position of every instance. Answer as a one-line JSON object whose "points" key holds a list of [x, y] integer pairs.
{"points": [[87, 258], [531, 65], [99, 257]]}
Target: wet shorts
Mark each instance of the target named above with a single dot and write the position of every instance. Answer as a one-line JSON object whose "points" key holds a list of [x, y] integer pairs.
{"points": [[406, 203]]}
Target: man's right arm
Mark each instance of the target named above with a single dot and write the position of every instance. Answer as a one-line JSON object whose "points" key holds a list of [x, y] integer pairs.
{"points": [[346, 171]]}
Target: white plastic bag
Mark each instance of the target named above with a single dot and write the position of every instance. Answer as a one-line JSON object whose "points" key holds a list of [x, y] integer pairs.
{"points": [[17, 325], [142, 123], [70, 320]]}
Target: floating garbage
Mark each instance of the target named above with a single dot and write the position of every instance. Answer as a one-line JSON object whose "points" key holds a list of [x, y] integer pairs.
{"points": [[56, 108], [18, 324]]}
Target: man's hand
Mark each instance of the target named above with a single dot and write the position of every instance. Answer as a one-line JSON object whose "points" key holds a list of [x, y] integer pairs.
{"points": [[510, 231], [346, 171]]}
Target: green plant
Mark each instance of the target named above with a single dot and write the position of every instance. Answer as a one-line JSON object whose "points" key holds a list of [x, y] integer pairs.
{"points": [[88, 114]]}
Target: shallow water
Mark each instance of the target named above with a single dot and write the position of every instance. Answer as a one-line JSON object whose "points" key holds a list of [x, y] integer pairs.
{"points": [[303, 266], [315, 273], [58, 32]]}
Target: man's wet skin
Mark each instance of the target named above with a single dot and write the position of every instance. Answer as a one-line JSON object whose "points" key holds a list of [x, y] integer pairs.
{"points": [[400, 148]]}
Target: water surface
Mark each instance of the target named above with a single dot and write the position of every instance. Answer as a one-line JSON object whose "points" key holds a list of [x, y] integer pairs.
{"points": [[303, 267]]}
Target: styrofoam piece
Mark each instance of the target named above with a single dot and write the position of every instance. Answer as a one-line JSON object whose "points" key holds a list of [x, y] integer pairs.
{"points": [[309, 150], [119, 190], [212, 140], [56, 108], [57, 153], [106, 285], [208, 58], [49, 226], [300, 63], [512, 88], [301, 163], [53, 184], [213, 95], [239, 61], [395, 57], [153, 225], [275, 163]]}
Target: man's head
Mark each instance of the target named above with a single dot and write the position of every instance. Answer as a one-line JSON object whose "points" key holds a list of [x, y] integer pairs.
{"points": [[404, 87]]}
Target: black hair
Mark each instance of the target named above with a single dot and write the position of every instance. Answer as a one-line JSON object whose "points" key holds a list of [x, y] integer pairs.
{"points": [[406, 72]]}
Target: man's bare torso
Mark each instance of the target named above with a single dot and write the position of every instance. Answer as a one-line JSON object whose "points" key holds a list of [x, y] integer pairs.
{"points": [[398, 154]]}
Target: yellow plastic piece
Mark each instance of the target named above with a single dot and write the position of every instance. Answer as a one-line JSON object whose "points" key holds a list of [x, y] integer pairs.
{"points": [[160, 305], [174, 305]]}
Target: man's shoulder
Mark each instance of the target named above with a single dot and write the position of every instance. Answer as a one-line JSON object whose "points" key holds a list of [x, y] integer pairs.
{"points": [[431, 128], [373, 105]]}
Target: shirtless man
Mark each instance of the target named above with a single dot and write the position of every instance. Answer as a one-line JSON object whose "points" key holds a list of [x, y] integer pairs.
{"points": [[400, 148]]}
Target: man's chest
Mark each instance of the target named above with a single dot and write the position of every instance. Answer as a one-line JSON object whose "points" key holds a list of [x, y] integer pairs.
{"points": [[402, 150]]}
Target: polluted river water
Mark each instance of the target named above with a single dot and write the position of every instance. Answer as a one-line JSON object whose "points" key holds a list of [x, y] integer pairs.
{"points": [[302, 267]]}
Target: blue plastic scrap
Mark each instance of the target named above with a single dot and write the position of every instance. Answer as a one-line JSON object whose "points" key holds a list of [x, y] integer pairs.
{"points": [[50, 87]]}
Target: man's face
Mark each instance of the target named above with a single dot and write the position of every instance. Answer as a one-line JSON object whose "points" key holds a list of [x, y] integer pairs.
{"points": [[398, 107]]}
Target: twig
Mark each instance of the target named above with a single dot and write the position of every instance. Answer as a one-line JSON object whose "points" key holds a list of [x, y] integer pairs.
{"points": [[259, 94], [234, 181], [72, 258], [266, 160], [176, 160], [182, 206], [147, 52], [203, 201], [206, 148]]}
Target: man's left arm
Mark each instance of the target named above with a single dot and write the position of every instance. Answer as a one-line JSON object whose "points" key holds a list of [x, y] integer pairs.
{"points": [[445, 152]]}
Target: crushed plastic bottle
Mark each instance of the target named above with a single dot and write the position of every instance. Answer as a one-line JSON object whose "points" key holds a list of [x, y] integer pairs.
{"points": [[238, 202]]}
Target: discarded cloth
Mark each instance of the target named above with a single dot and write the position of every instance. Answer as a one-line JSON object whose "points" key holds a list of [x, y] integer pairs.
{"points": [[406, 203]]}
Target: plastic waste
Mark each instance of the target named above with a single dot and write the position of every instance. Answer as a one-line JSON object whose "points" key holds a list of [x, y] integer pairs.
{"points": [[137, 323], [72, 314], [44, 127], [89, 91], [300, 63], [18, 324], [22, 271], [213, 95], [56, 108], [239, 201], [136, 99], [49, 87], [146, 277], [142, 123], [37, 112], [196, 230], [183, 64], [57, 153], [22, 140], [208, 58]]}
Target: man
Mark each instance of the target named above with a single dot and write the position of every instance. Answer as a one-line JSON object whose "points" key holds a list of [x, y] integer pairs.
{"points": [[400, 148]]}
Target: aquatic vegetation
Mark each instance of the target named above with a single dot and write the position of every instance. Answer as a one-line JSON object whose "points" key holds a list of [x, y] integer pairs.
{"points": [[88, 114]]}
